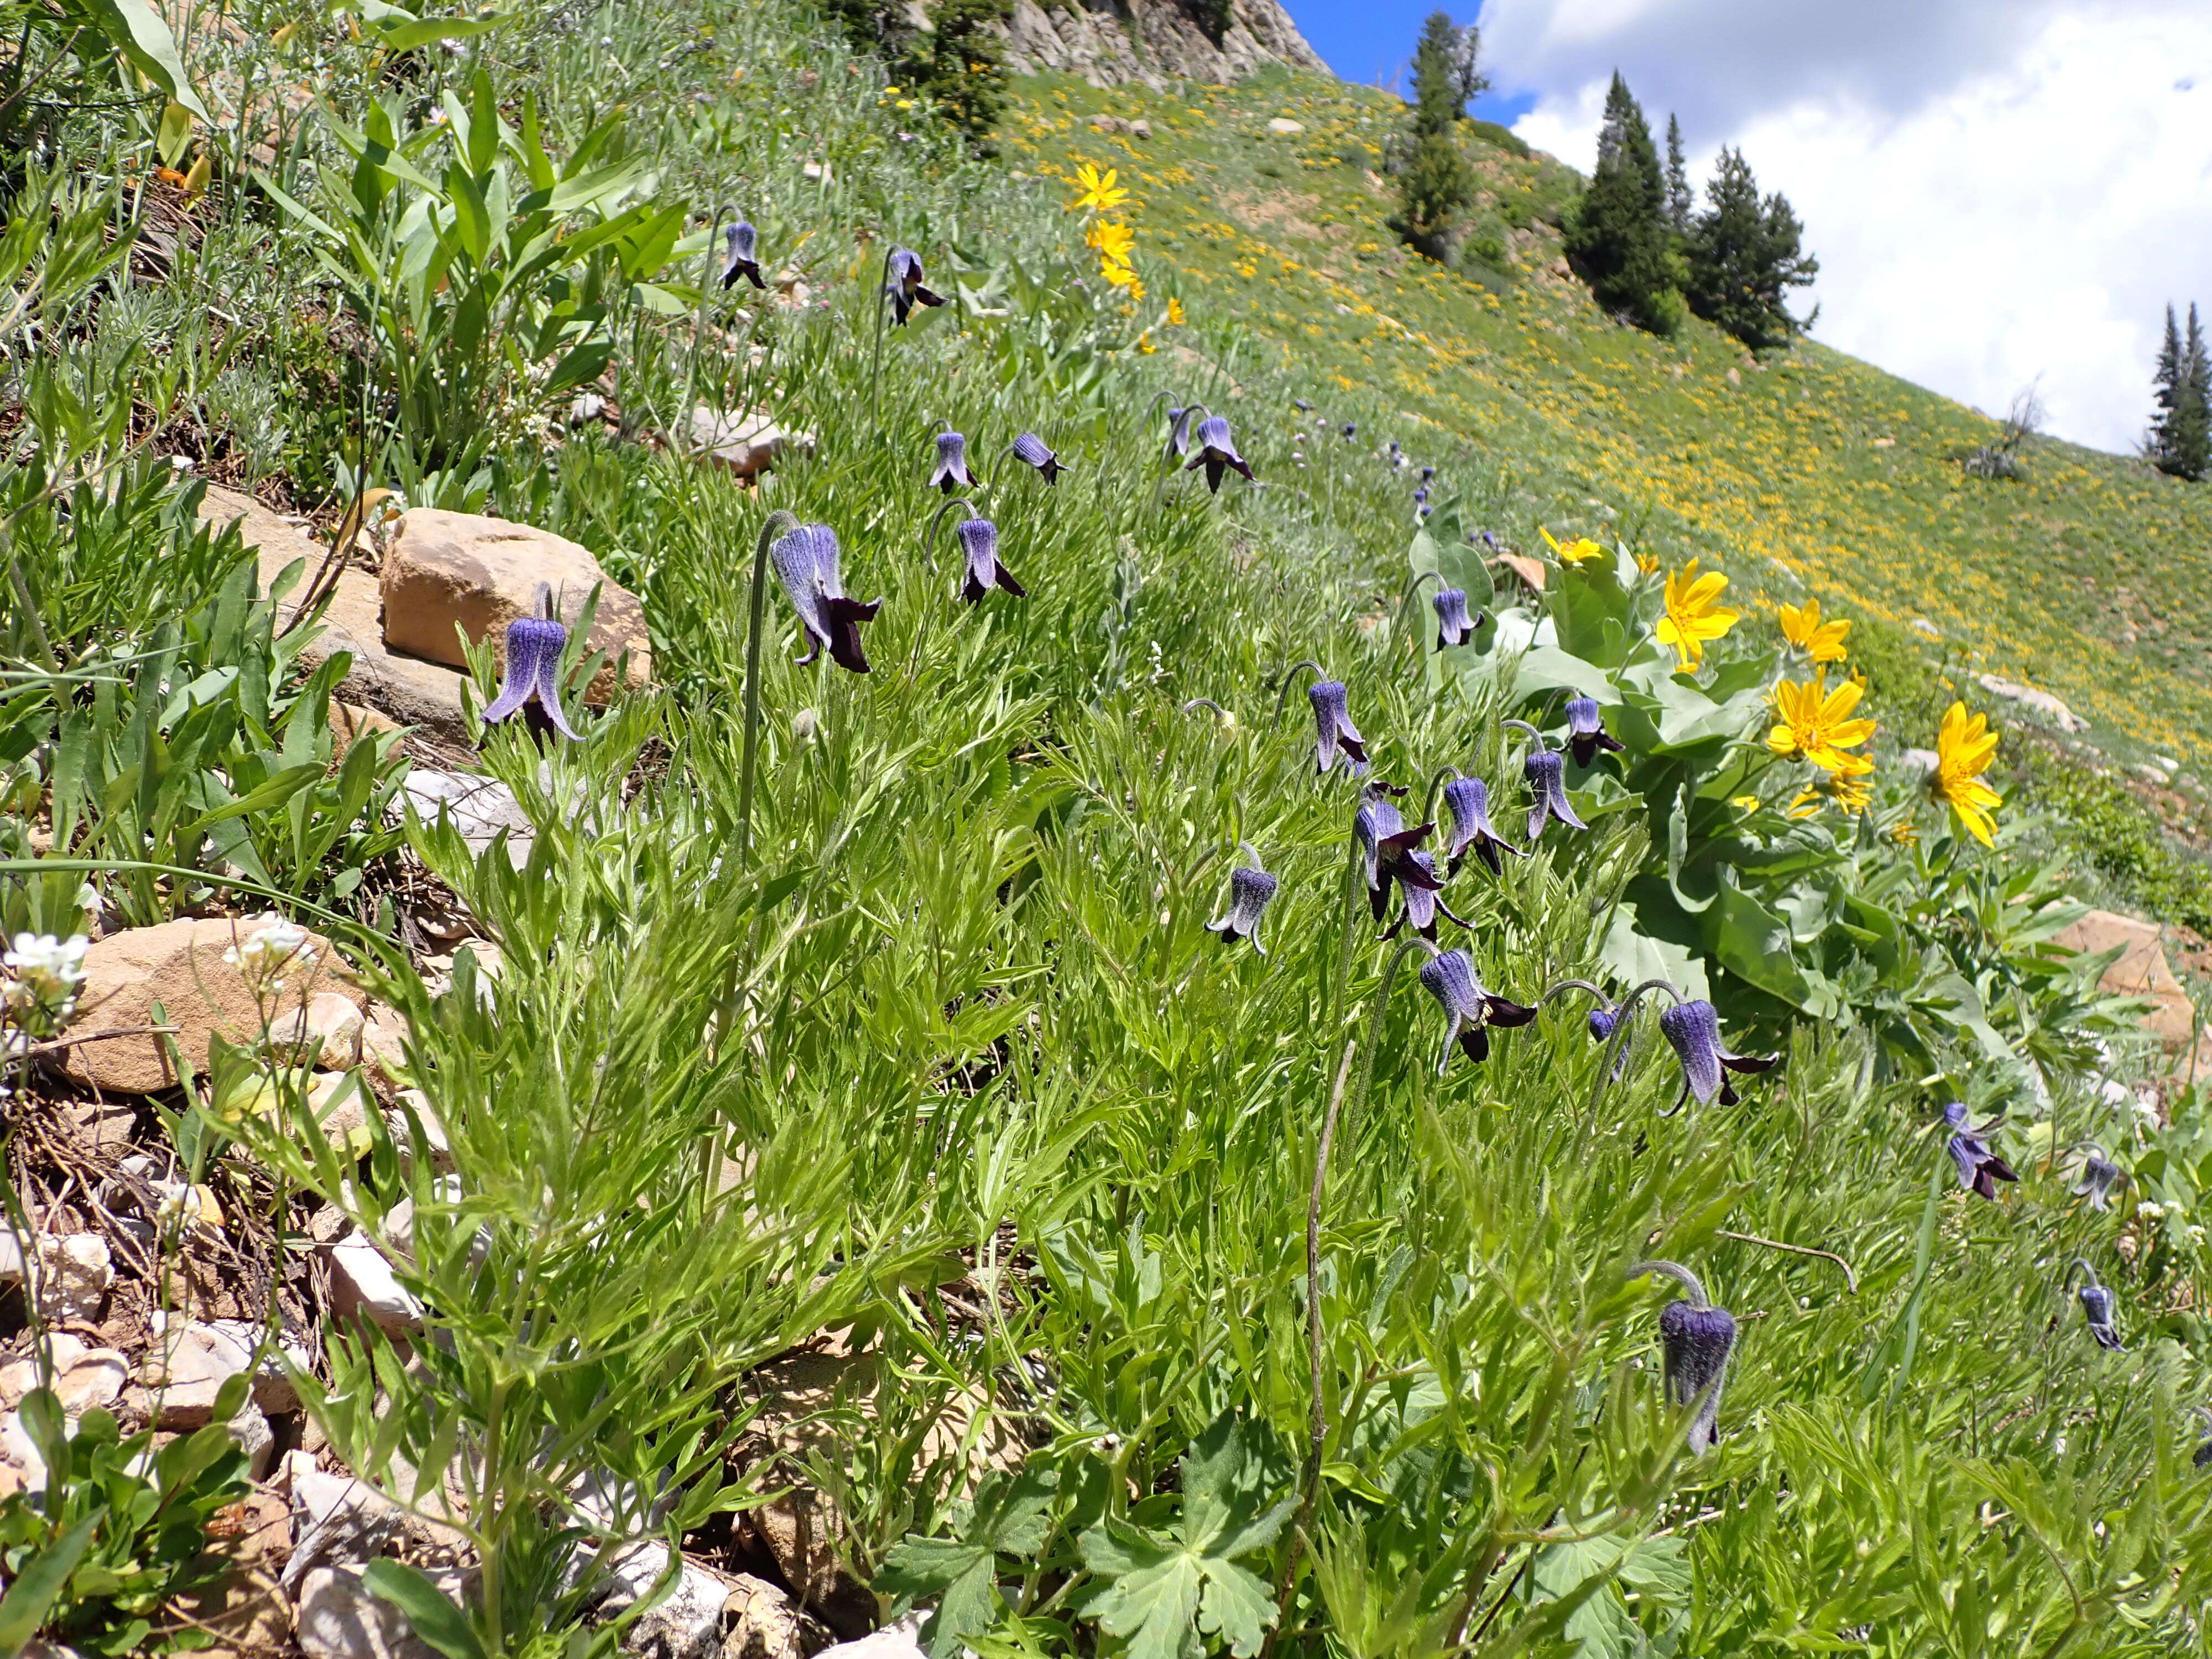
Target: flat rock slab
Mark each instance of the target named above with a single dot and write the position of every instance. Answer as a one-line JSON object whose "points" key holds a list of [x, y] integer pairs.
{"points": [[452, 574], [405, 689], [180, 965], [2139, 970]]}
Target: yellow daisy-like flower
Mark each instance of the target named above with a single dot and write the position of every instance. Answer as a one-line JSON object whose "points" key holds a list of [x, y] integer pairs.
{"points": [[1119, 275], [1174, 312], [1822, 641], [1903, 834], [1099, 190], [1574, 551], [1847, 787], [1748, 803], [1648, 563], [1964, 749], [1114, 241], [1693, 618], [1815, 723]]}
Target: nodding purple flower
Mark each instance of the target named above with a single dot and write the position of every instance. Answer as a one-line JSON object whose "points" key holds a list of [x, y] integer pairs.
{"points": [[534, 645], [1427, 473], [1351, 431], [1217, 453], [2203, 1457], [2098, 1176], [1490, 540], [979, 540], [1454, 625], [1603, 1022], [2097, 1306], [1586, 732], [806, 561], [1417, 876], [1449, 977], [1696, 1340], [1397, 455], [1336, 731], [1422, 513], [1387, 847], [1694, 1030], [1302, 405], [739, 261], [1468, 800], [1979, 1169], [1179, 423], [1546, 770], [905, 284], [952, 471], [1420, 494], [1249, 891], [1032, 449]]}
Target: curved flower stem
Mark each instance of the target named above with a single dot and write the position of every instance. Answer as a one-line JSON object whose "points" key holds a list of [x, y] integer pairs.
{"points": [[779, 523], [1679, 1273], [876, 362], [1849, 1278], [929, 536], [1529, 729], [2089, 1273], [1620, 1034], [1253, 852], [1405, 600], [1437, 779], [1283, 686], [1204, 702], [1566, 985]]}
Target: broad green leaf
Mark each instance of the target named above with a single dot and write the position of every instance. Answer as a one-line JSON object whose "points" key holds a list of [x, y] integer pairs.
{"points": [[38, 1583], [435, 1618], [138, 32]]}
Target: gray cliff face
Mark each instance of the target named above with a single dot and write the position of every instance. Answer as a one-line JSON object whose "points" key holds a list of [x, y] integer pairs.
{"points": [[1107, 42]]}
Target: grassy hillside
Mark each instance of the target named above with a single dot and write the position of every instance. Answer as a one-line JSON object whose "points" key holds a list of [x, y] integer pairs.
{"points": [[1812, 472]]}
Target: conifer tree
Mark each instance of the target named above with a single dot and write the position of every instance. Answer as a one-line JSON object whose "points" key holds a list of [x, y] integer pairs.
{"points": [[1678, 199], [1745, 255], [2165, 385], [1617, 238], [2188, 429], [1438, 183]]}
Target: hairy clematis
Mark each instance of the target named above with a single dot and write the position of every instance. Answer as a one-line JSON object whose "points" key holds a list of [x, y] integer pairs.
{"points": [[1422, 898], [1217, 452], [1336, 732], [1249, 891], [979, 541], [740, 259], [1468, 800], [952, 471], [1603, 1022], [1979, 1169], [1449, 977], [905, 286], [1586, 733], [1032, 450], [1179, 421], [1546, 771], [1696, 1338], [534, 645], [806, 561], [1454, 625], [2100, 1175], [1387, 848], [1694, 1030], [2097, 1307]]}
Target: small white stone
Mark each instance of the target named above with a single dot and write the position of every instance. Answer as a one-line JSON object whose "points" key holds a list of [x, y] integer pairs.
{"points": [[337, 1619], [363, 1282], [687, 1623], [898, 1641], [74, 1274], [326, 1032], [1282, 126]]}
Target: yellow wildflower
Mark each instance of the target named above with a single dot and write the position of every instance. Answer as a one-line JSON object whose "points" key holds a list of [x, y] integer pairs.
{"points": [[1115, 272], [1691, 618], [1964, 749], [1648, 563], [1748, 803], [1803, 628], [1574, 551], [1099, 190], [1903, 834], [1815, 723], [1174, 312], [1847, 787], [1114, 241]]}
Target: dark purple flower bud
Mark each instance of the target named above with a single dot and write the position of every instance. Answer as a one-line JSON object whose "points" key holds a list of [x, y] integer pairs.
{"points": [[1249, 891], [806, 561], [1397, 455], [1468, 800], [1032, 450], [1302, 405], [1415, 872], [1336, 731], [739, 261], [1427, 473], [1546, 770], [1350, 428], [2203, 1457], [1979, 1169], [952, 471], [1420, 494], [979, 540], [1449, 977], [1422, 514], [1603, 1022], [1586, 732], [2098, 1177], [1696, 1340], [1179, 425], [905, 284], [1454, 625], [2097, 1306], [534, 645], [1490, 540], [1694, 1030], [1217, 452]]}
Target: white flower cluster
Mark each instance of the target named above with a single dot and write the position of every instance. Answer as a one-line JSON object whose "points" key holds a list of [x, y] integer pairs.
{"points": [[275, 945], [41, 973]]}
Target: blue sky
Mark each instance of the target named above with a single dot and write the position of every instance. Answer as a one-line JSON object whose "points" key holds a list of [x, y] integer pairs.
{"points": [[1373, 43]]}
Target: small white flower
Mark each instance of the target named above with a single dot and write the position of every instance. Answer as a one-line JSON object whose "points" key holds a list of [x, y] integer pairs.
{"points": [[2148, 1211]]}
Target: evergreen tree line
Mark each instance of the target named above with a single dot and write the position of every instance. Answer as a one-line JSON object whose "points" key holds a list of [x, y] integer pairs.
{"points": [[2180, 441]]}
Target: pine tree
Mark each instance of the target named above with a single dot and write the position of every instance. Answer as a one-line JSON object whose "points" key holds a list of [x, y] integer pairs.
{"points": [[1438, 183], [2189, 428], [1678, 199], [2165, 385], [1745, 255], [1617, 238], [1438, 101]]}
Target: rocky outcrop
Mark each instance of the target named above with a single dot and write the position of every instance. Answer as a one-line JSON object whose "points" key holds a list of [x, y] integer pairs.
{"points": [[1153, 41], [2141, 970]]}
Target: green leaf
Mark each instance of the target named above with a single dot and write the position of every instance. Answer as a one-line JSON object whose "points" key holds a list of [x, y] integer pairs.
{"points": [[23, 1610], [1632, 957], [435, 1618], [141, 36]]}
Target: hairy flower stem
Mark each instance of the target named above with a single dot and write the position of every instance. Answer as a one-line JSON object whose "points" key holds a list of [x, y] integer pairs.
{"points": [[1283, 686], [698, 328], [1437, 779], [1675, 1271], [1405, 603], [779, 523], [876, 357], [1627, 1018]]}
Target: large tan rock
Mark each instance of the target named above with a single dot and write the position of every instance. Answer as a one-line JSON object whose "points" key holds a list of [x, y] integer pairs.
{"points": [[453, 573], [748, 443], [181, 965], [2141, 970]]}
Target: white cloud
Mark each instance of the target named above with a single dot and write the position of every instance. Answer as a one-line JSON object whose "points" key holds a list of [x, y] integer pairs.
{"points": [[2025, 208]]}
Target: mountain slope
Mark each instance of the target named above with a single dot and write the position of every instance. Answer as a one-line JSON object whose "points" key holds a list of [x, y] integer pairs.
{"points": [[2091, 577]]}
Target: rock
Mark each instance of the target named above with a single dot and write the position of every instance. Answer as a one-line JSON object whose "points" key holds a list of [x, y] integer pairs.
{"points": [[1885, 443], [362, 1283], [686, 1623], [383, 1046], [341, 1104], [351, 721], [434, 1144], [73, 1276], [1153, 42], [405, 689], [186, 1368], [336, 1518], [1529, 570], [480, 807], [1282, 126], [2139, 970], [1735, 377], [326, 1033], [761, 1622], [255, 1439], [98, 1125], [449, 574], [338, 1619], [82, 1377], [273, 1389], [180, 965], [23, 1462], [748, 444], [1923, 761], [2042, 701], [247, 1609], [11, 1257], [900, 1641]]}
